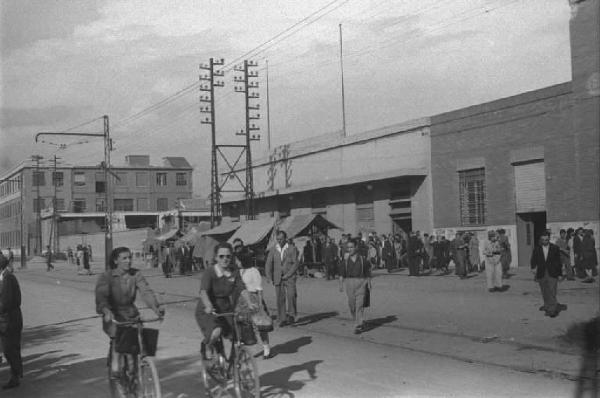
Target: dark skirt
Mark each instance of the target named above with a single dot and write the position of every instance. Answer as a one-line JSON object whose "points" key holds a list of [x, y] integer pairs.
{"points": [[208, 322]]}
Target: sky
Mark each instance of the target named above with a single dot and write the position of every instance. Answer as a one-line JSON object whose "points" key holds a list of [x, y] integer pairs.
{"points": [[64, 63]]}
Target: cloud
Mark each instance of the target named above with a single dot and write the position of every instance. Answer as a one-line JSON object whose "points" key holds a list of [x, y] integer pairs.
{"points": [[11, 117]]}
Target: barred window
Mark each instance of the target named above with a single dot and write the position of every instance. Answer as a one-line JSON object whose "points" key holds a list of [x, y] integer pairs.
{"points": [[161, 179], [180, 179], [79, 205], [39, 178], [472, 197], [79, 178]]}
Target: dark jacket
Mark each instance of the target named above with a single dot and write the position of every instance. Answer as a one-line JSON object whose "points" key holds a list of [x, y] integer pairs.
{"points": [[10, 303], [551, 263]]}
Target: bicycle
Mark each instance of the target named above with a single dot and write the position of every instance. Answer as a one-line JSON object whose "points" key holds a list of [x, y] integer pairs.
{"points": [[140, 378], [238, 367]]}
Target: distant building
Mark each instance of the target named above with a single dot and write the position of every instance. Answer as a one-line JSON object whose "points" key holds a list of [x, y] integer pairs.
{"points": [[140, 192]]}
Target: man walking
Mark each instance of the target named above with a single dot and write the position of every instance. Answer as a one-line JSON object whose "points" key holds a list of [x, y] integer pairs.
{"points": [[493, 267], [413, 251], [545, 262], [330, 258], [281, 268], [565, 259], [355, 276], [49, 265]]}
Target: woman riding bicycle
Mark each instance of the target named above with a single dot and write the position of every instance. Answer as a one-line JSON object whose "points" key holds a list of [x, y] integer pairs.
{"points": [[220, 289], [115, 296]]}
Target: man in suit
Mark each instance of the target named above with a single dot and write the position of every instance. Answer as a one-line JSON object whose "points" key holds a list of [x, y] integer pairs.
{"points": [[330, 257], [11, 323], [413, 249], [281, 269], [545, 262]]}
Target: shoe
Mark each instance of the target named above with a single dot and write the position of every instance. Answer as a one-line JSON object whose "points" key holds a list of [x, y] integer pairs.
{"points": [[268, 356], [553, 314], [357, 330], [562, 307], [492, 290], [283, 324], [12, 383], [290, 320], [542, 308]]}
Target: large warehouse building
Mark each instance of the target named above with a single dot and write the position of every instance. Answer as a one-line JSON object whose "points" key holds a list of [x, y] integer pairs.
{"points": [[523, 163]]}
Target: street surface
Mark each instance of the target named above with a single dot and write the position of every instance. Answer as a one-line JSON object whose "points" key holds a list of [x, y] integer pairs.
{"points": [[434, 336]]}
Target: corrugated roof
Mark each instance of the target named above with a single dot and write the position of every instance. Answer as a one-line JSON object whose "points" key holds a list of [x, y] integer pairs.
{"points": [[254, 231]]}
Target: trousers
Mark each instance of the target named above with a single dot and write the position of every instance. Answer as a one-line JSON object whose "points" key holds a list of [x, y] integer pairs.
{"points": [[355, 291], [493, 272], [11, 343], [548, 286], [286, 299]]}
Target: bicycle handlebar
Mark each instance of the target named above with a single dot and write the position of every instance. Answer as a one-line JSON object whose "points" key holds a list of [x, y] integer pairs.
{"points": [[137, 321]]}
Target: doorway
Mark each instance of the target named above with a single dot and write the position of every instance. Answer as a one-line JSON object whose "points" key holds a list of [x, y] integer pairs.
{"points": [[530, 226]]}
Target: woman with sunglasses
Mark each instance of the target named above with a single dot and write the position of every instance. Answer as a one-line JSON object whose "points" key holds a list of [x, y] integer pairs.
{"points": [[220, 288]]}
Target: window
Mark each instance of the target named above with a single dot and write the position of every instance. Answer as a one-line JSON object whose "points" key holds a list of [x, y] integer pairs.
{"points": [[60, 205], [365, 211], [123, 205], [38, 205], [100, 204], [58, 178], [161, 179], [100, 186], [121, 179], [472, 196], [180, 179], [39, 178], [79, 178], [79, 206], [162, 204], [141, 179], [143, 204]]}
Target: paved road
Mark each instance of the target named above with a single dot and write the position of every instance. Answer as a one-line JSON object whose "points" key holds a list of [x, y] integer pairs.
{"points": [[426, 351]]}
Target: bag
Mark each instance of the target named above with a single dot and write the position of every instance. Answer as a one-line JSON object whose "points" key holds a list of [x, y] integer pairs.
{"points": [[126, 340], [262, 321], [367, 299], [247, 335]]}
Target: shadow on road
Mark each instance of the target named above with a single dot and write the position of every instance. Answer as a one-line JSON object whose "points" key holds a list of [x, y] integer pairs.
{"points": [[586, 335], [42, 334], [292, 346], [313, 318], [278, 383], [377, 322]]}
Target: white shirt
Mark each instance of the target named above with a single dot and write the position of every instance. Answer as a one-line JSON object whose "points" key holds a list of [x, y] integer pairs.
{"points": [[2, 274], [281, 250], [545, 250], [252, 279]]}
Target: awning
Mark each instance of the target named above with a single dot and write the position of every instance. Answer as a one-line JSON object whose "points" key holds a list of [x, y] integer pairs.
{"points": [[254, 231], [222, 229], [294, 225], [172, 234]]}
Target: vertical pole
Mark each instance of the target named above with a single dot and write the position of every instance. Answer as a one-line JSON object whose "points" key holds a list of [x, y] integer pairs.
{"points": [[54, 219], [23, 261], [249, 176], [343, 96], [215, 196], [107, 194], [38, 220], [268, 111]]}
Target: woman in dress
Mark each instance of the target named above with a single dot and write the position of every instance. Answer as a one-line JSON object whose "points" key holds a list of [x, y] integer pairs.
{"points": [[589, 256], [220, 289], [474, 252], [116, 291]]}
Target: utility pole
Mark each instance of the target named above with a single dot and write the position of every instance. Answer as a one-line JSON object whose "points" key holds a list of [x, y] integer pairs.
{"points": [[268, 110], [208, 84], [343, 96], [54, 226], [21, 208], [38, 209], [249, 95], [107, 193], [105, 165]]}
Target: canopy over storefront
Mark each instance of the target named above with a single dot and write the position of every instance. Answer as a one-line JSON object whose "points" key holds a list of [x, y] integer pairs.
{"points": [[172, 234], [253, 232], [298, 225], [222, 229]]}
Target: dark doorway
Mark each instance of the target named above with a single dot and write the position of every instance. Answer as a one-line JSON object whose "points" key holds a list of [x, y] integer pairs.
{"points": [[401, 226], [529, 228]]}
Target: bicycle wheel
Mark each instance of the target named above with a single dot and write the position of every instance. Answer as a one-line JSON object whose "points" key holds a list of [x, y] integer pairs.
{"points": [[245, 377], [215, 377], [149, 383]]}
